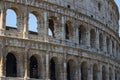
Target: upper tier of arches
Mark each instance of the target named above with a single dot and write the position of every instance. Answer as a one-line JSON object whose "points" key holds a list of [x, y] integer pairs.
{"points": [[53, 26]]}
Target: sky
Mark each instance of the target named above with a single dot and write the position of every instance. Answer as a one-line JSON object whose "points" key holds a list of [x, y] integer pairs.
{"points": [[118, 4]]}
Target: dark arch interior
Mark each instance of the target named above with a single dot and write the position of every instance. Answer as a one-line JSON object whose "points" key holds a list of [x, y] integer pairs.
{"points": [[103, 73], [11, 66], [66, 31], [33, 67], [68, 71], [52, 70], [84, 73], [95, 72]]}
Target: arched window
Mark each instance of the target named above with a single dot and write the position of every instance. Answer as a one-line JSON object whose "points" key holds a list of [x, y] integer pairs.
{"points": [[11, 66], [67, 33], [99, 6], [108, 45], [11, 14], [84, 73], [92, 38], [82, 35], [32, 23], [104, 73], [51, 28], [101, 41], [71, 69], [95, 72], [33, 67]]}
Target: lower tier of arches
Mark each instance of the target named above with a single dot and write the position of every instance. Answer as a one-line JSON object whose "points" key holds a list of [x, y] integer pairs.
{"points": [[52, 67]]}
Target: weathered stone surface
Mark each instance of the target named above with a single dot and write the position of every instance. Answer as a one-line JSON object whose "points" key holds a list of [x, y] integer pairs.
{"points": [[83, 44]]}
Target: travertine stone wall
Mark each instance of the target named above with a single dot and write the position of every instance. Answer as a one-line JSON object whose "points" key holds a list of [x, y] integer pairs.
{"points": [[85, 44]]}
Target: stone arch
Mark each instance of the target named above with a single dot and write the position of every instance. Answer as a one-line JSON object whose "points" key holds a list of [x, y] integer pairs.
{"points": [[71, 70], [101, 41], [38, 60], [11, 65], [84, 71], [33, 21], [54, 68], [33, 67], [12, 13], [82, 34], [68, 29], [92, 38], [95, 72], [104, 73]]}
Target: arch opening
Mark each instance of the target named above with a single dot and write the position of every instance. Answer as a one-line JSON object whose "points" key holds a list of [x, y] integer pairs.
{"points": [[82, 35], [95, 72], [84, 73], [11, 14], [33, 67], [66, 31], [71, 69], [92, 38], [103, 73], [51, 28], [32, 23], [110, 74], [11, 65], [52, 69], [101, 41]]}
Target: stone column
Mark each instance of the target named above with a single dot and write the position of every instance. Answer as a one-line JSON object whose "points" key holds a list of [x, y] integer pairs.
{"points": [[2, 22], [2, 49], [88, 38], [90, 71], [104, 43], [40, 28], [20, 67], [25, 21], [107, 72], [100, 72], [97, 39], [113, 73], [2, 58], [26, 63], [47, 67], [45, 26], [79, 71], [63, 28]]}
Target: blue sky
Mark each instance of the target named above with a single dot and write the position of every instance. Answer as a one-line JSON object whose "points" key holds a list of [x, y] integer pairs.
{"points": [[118, 3]]}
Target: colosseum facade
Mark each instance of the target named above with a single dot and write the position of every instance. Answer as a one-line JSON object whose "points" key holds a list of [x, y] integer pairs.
{"points": [[73, 40]]}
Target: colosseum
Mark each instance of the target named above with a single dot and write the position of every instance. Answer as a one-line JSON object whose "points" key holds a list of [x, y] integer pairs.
{"points": [[71, 40]]}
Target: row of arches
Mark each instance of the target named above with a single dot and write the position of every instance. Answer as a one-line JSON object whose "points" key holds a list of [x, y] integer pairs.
{"points": [[72, 69], [32, 20], [69, 32]]}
